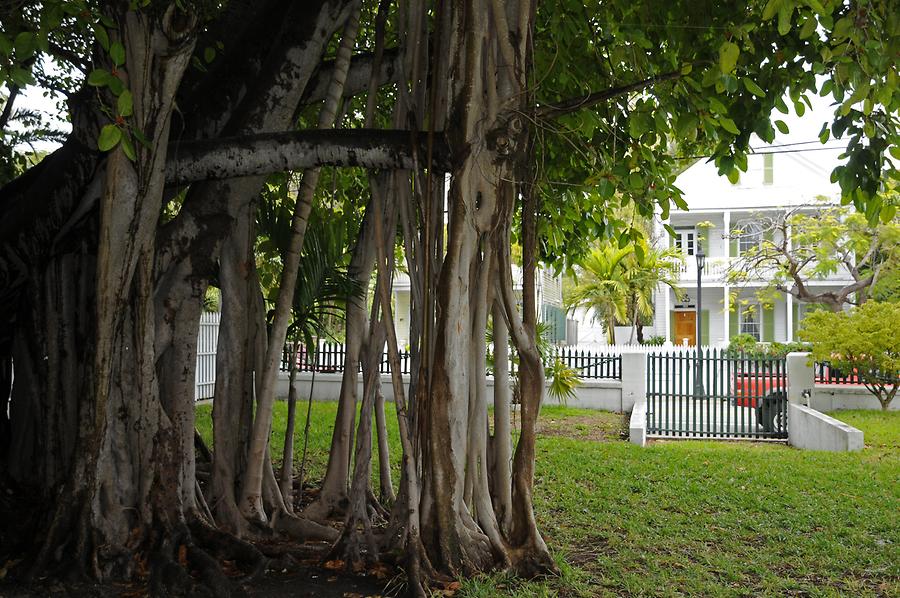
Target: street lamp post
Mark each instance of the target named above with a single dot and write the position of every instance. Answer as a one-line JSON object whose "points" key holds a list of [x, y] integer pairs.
{"points": [[698, 378]]}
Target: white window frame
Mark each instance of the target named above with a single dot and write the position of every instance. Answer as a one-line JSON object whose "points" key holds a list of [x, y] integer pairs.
{"points": [[751, 236], [754, 310]]}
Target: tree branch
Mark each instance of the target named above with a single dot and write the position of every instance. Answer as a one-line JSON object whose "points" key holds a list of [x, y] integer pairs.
{"points": [[357, 76], [575, 104], [7, 108], [210, 159]]}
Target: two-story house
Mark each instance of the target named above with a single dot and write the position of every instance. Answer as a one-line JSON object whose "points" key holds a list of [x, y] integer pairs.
{"points": [[724, 219]]}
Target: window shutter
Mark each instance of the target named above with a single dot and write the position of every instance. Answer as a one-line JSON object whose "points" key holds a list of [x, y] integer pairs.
{"points": [[732, 245], [733, 324], [704, 327], [768, 169], [768, 324], [672, 326]]}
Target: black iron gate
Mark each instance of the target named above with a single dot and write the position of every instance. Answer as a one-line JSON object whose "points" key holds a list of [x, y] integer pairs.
{"points": [[716, 394]]}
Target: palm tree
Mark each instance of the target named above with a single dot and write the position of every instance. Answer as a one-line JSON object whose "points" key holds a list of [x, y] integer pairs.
{"points": [[603, 288], [648, 268], [322, 290], [617, 284]]}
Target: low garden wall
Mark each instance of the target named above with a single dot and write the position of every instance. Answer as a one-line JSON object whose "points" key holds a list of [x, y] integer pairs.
{"points": [[813, 430], [591, 394], [832, 397]]}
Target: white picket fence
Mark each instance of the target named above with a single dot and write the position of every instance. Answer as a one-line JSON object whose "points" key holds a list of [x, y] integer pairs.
{"points": [[207, 341]]}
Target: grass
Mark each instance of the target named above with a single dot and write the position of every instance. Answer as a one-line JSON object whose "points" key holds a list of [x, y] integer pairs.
{"points": [[699, 518]]}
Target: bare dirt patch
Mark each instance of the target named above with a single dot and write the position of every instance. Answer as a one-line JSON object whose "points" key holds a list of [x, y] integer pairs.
{"points": [[600, 427]]}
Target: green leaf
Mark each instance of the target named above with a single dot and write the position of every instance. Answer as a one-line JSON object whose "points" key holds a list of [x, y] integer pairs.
{"points": [[686, 126], [101, 35], [895, 152], [209, 54], [771, 8], [6, 46], [128, 148], [716, 106], [117, 53], [888, 213], [809, 27], [125, 104], [782, 127], [109, 137], [25, 45], [752, 87], [784, 16], [115, 85], [98, 78], [734, 176], [780, 105], [728, 56], [729, 125], [22, 77]]}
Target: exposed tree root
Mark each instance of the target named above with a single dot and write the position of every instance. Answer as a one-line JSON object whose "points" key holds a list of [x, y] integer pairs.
{"points": [[302, 528]]}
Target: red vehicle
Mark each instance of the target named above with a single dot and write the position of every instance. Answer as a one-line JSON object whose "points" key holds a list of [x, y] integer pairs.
{"points": [[751, 387], [767, 395]]}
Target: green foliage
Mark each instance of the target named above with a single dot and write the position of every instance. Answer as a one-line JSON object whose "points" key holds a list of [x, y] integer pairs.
{"points": [[616, 284], [563, 381], [746, 345], [743, 344], [655, 341], [323, 285], [727, 73], [828, 240], [863, 340]]}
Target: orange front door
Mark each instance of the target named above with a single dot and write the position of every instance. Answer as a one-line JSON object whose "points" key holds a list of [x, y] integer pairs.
{"points": [[685, 327]]}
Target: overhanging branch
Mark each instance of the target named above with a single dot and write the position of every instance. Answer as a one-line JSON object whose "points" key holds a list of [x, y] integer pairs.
{"points": [[278, 152], [585, 101]]}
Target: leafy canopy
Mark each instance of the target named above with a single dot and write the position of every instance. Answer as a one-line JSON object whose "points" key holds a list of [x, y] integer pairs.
{"points": [[724, 70]]}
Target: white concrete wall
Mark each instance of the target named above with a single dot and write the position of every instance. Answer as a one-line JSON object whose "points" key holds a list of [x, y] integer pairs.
{"points": [[834, 397], [592, 394], [813, 430]]}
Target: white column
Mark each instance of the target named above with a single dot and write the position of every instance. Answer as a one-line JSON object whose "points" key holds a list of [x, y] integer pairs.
{"points": [[668, 318], [800, 378], [726, 313]]}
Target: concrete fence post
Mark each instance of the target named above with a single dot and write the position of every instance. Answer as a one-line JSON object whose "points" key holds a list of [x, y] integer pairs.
{"points": [[634, 379], [800, 378]]}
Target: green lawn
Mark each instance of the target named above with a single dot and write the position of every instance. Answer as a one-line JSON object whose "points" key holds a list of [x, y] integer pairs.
{"points": [[701, 518]]}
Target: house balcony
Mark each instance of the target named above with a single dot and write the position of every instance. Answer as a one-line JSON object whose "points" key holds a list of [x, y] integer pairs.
{"points": [[716, 269]]}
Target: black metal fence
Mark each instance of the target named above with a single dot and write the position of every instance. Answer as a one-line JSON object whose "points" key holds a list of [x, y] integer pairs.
{"points": [[331, 357], [825, 373], [716, 394]]}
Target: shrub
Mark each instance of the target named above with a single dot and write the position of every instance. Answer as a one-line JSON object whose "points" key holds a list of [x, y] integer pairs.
{"points": [[864, 340], [655, 341]]}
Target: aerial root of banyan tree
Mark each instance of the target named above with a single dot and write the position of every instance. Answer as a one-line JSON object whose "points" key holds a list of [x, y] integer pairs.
{"points": [[107, 424]]}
